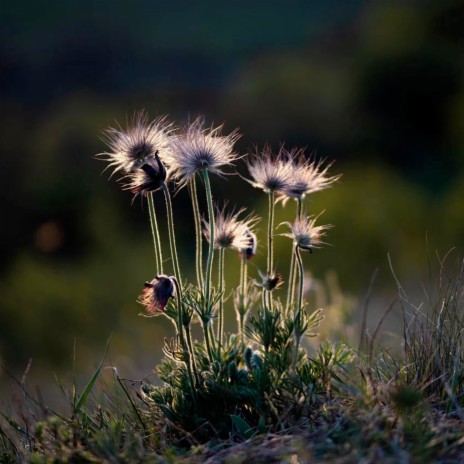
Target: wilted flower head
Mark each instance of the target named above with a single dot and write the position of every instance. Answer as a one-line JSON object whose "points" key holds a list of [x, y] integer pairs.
{"points": [[269, 172], [306, 175], [148, 178], [199, 148], [133, 147], [229, 231], [250, 250], [156, 294], [305, 234], [270, 282]]}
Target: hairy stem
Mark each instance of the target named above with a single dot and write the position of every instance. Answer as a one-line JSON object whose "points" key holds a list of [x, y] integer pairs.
{"points": [[183, 344], [220, 329], [299, 302], [291, 279], [209, 262], [192, 353], [243, 294], [198, 234], [270, 245], [172, 236], [155, 234]]}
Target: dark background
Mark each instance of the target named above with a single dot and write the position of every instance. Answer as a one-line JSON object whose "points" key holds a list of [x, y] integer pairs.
{"points": [[376, 86]]}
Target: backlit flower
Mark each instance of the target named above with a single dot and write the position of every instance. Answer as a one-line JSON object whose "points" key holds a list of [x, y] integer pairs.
{"points": [[199, 148], [156, 294], [150, 177], [305, 234], [269, 172], [133, 147], [306, 175], [270, 282], [229, 231]]}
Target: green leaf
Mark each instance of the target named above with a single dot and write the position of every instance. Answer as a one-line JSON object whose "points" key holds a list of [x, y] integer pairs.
{"points": [[88, 388], [244, 429]]}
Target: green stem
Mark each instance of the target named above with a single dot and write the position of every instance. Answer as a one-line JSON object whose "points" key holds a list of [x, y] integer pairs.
{"points": [[155, 234], [270, 234], [220, 329], [207, 341], [270, 244], [172, 236], [180, 331], [192, 353], [299, 304], [209, 262], [243, 294], [291, 279], [198, 235]]}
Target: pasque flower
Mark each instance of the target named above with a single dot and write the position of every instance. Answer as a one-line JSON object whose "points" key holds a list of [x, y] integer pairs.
{"points": [[156, 294], [306, 175], [199, 148], [230, 231], [269, 172], [133, 147], [305, 234]]}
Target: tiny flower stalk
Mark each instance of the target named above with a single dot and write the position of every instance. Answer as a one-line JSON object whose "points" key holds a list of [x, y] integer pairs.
{"points": [[270, 243], [299, 302]]}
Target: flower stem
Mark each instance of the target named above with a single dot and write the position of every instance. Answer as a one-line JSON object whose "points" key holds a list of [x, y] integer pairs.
{"points": [[220, 329], [207, 341], [291, 279], [192, 353], [270, 244], [243, 294], [155, 234], [299, 304], [209, 262], [199, 241], [183, 344], [172, 237]]}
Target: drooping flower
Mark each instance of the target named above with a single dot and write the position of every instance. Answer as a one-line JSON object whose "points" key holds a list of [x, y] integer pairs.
{"points": [[250, 250], [305, 234], [133, 147], [269, 172], [201, 148], [230, 231], [150, 177], [306, 175], [156, 294]]}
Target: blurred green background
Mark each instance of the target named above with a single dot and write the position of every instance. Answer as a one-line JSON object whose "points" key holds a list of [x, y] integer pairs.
{"points": [[376, 86]]}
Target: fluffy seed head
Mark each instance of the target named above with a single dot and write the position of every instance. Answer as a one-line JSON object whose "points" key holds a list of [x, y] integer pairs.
{"points": [[156, 294], [306, 175], [229, 231], [269, 172], [133, 147], [305, 234], [199, 148]]}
